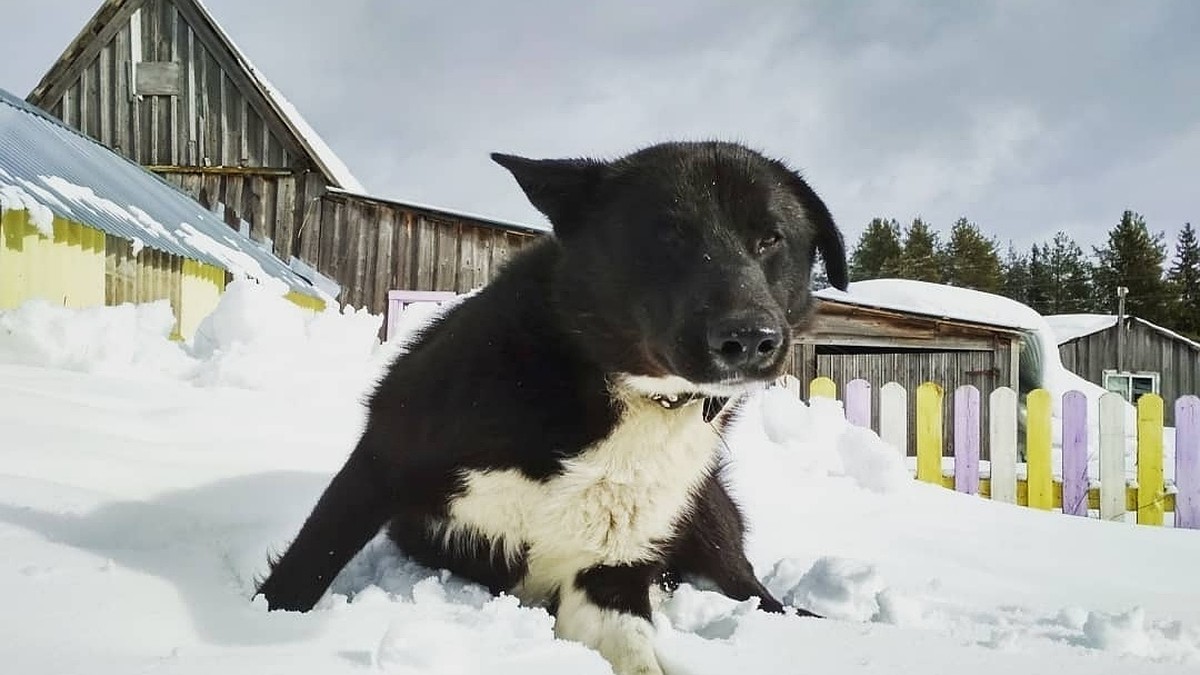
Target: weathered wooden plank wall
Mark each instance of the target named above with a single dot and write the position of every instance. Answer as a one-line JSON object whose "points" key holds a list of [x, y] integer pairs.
{"points": [[985, 369], [157, 94], [373, 246], [154, 89], [1177, 363]]}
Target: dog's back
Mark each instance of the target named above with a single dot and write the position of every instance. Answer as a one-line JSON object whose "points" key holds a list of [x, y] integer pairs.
{"points": [[549, 436]]}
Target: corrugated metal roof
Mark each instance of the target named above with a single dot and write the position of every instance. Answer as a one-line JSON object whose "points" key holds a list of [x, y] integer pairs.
{"points": [[44, 161]]}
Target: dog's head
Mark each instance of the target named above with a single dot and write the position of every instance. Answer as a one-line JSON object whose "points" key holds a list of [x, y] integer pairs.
{"points": [[685, 266]]}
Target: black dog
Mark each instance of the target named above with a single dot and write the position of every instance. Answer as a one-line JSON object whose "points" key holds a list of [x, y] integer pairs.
{"points": [[551, 436]]}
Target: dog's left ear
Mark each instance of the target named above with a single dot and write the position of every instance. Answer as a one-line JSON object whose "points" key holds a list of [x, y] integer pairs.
{"points": [[560, 188], [827, 237]]}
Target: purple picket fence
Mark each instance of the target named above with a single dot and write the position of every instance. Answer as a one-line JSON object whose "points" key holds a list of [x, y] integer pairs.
{"points": [[966, 439], [1187, 462], [1074, 454], [858, 403]]}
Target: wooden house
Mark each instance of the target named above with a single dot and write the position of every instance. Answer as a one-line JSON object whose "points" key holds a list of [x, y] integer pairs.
{"points": [[854, 338], [1155, 360], [82, 226], [160, 82]]}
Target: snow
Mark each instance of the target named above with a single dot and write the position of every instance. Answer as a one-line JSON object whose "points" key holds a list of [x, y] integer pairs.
{"points": [[138, 501], [236, 345], [325, 154], [68, 196], [15, 198], [938, 300], [73, 177], [1067, 327], [236, 261]]}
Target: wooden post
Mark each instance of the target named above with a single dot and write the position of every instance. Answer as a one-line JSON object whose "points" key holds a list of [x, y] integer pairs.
{"points": [[1075, 454], [1150, 460], [1002, 425], [1112, 456], [822, 387], [929, 433], [966, 439], [858, 403], [1187, 462], [1040, 478], [893, 416]]}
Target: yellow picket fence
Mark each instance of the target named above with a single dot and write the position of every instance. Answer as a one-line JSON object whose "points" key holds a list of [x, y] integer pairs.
{"points": [[1069, 487]]}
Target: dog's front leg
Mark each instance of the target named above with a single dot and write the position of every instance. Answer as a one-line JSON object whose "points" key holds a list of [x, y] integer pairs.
{"points": [[351, 511], [608, 609]]}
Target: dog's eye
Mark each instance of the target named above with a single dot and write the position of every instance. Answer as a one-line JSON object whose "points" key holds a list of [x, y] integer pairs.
{"points": [[767, 243]]}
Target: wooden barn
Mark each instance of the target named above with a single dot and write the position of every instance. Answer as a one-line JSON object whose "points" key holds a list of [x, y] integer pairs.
{"points": [[161, 83], [1155, 360], [854, 337], [82, 226]]}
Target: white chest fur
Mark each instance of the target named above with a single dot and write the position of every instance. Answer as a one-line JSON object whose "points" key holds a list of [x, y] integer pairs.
{"points": [[610, 504]]}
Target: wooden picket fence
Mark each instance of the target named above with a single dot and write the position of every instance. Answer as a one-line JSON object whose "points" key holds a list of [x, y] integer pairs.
{"points": [[1072, 490]]}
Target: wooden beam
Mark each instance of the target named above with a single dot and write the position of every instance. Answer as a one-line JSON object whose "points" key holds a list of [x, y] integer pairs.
{"points": [[222, 170], [850, 339], [1131, 494], [103, 26], [242, 80]]}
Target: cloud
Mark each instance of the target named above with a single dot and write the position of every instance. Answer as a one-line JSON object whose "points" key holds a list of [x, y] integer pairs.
{"points": [[1022, 115]]}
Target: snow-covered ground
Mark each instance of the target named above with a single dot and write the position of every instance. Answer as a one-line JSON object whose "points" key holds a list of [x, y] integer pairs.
{"points": [[142, 485]]}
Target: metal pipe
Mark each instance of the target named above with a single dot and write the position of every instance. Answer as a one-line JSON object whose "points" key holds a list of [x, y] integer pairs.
{"points": [[1121, 293]]}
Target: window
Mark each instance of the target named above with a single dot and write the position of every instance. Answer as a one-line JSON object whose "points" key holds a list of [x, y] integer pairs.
{"points": [[399, 300], [1131, 385]]}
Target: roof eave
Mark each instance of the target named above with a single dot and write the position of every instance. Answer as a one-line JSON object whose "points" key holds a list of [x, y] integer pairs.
{"points": [[72, 58]]}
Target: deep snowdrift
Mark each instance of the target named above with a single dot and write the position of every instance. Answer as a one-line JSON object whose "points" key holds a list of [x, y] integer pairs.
{"points": [[142, 485]]}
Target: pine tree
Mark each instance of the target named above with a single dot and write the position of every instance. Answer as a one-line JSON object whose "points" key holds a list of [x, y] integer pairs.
{"points": [[971, 260], [1037, 293], [818, 278], [878, 249], [922, 258], [1184, 277], [1068, 277], [1133, 258], [1016, 275]]}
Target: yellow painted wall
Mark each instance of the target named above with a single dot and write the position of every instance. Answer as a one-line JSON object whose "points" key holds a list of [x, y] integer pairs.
{"points": [[71, 269], [80, 267], [201, 290], [12, 262], [66, 268], [306, 301]]}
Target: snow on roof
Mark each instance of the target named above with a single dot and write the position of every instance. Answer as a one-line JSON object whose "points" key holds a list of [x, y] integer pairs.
{"points": [[1068, 327], [937, 300], [325, 157], [49, 169], [1168, 332]]}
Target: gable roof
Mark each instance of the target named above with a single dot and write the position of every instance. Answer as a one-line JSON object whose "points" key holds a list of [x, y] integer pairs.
{"points": [[1070, 327], [50, 170], [935, 301], [104, 24]]}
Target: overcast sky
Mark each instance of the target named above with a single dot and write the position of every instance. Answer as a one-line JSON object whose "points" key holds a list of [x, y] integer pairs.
{"points": [[1024, 116]]}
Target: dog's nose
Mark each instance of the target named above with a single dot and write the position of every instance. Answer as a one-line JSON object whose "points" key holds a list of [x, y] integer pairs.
{"points": [[744, 344]]}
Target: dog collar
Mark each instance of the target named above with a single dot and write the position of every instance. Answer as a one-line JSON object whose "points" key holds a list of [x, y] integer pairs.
{"points": [[673, 401], [712, 405]]}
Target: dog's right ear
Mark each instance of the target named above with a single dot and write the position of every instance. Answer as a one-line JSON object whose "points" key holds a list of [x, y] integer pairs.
{"points": [[560, 188]]}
